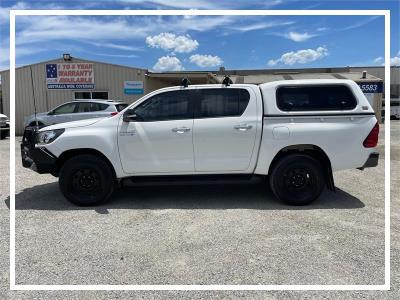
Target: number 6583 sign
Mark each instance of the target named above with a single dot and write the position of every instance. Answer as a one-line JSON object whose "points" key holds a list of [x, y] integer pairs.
{"points": [[371, 87]]}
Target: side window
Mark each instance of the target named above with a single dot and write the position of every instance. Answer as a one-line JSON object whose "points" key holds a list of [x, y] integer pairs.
{"points": [[312, 98], [101, 106], [83, 107], [222, 102], [174, 105], [65, 109], [120, 107]]}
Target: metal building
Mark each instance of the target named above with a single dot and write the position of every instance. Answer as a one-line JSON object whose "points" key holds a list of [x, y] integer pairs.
{"points": [[83, 79], [57, 81]]}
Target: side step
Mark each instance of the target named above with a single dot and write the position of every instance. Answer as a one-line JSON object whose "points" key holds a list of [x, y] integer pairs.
{"points": [[191, 179]]}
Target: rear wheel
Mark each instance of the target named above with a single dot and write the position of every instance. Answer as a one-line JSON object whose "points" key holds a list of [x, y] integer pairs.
{"points": [[297, 179], [86, 180]]}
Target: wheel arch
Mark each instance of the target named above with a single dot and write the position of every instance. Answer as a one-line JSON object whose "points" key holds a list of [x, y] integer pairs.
{"points": [[74, 152], [311, 150]]}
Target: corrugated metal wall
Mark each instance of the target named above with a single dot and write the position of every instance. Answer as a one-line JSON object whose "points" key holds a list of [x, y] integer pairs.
{"points": [[107, 77]]}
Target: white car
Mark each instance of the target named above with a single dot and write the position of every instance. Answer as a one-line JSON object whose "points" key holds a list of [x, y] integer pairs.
{"points": [[4, 126], [296, 132]]}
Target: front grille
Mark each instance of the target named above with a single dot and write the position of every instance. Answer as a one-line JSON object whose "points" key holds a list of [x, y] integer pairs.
{"points": [[29, 136]]}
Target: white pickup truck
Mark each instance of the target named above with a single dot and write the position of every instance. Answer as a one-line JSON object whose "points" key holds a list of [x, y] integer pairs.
{"points": [[294, 133]]}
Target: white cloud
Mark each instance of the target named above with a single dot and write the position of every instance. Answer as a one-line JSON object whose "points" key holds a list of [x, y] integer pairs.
{"points": [[34, 29], [260, 25], [186, 4], [172, 42], [300, 56], [322, 28], [117, 55], [395, 61], [203, 4], [361, 23], [168, 63], [89, 29], [205, 60], [116, 46], [299, 37], [378, 60], [5, 11]]}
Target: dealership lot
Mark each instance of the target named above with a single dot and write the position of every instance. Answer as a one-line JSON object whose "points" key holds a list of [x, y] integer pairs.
{"points": [[202, 234]]}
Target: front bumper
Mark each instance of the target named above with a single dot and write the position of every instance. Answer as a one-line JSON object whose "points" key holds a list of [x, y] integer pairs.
{"points": [[38, 159], [5, 127], [372, 161]]}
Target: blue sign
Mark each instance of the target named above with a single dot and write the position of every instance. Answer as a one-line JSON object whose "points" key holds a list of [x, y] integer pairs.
{"points": [[133, 87], [371, 87], [133, 91]]}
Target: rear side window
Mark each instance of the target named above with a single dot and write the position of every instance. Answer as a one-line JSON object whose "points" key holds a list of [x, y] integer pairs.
{"points": [[312, 98], [120, 107], [91, 107], [213, 103], [174, 105]]}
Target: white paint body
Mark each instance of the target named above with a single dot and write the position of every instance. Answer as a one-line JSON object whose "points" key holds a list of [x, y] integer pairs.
{"points": [[245, 144]]}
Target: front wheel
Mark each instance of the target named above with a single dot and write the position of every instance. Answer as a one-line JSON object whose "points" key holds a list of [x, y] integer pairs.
{"points": [[86, 180], [297, 179]]}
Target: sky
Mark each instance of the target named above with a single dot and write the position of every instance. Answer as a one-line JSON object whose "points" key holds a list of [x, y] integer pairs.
{"points": [[176, 43]]}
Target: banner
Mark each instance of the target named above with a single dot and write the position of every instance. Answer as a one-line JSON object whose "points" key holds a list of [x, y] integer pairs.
{"points": [[70, 76]]}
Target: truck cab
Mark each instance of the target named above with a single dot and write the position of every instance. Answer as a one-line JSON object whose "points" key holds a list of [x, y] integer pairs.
{"points": [[219, 129]]}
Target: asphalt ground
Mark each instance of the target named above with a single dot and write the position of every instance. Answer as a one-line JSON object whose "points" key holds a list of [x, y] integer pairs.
{"points": [[201, 234]]}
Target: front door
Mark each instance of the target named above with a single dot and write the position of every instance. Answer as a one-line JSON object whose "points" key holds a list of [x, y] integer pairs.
{"points": [[161, 140], [63, 113], [224, 130]]}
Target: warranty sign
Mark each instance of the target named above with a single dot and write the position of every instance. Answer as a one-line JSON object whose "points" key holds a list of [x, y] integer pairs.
{"points": [[70, 76]]}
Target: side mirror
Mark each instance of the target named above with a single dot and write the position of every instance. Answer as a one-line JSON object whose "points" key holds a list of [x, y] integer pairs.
{"points": [[130, 116], [50, 113]]}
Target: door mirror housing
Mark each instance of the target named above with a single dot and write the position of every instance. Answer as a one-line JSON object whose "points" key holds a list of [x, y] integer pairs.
{"points": [[130, 116]]}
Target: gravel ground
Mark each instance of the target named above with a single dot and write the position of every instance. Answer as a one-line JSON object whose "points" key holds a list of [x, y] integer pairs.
{"points": [[201, 234]]}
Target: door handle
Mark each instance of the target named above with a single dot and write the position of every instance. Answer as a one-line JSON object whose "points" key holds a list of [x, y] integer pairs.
{"points": [[243, 127], [180, 130]]}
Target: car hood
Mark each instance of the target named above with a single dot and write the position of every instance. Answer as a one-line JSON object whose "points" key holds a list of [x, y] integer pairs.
{"points": [[3, 116], [73, 124], [32, 117]]}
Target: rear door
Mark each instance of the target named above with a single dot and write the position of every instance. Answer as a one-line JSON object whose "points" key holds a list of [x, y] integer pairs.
{"points": [[161, 140], [224, 129]]}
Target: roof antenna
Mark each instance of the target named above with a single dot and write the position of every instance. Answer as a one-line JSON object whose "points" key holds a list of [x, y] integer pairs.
{"points": [[185, 82], [227, 80], [34, 100]]}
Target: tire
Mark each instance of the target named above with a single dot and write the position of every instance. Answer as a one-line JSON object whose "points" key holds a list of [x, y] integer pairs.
{"points": [[86, 180], [297, 179]]}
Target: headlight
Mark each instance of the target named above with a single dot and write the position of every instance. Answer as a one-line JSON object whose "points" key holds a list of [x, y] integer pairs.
{"points": [[48, 136]]}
